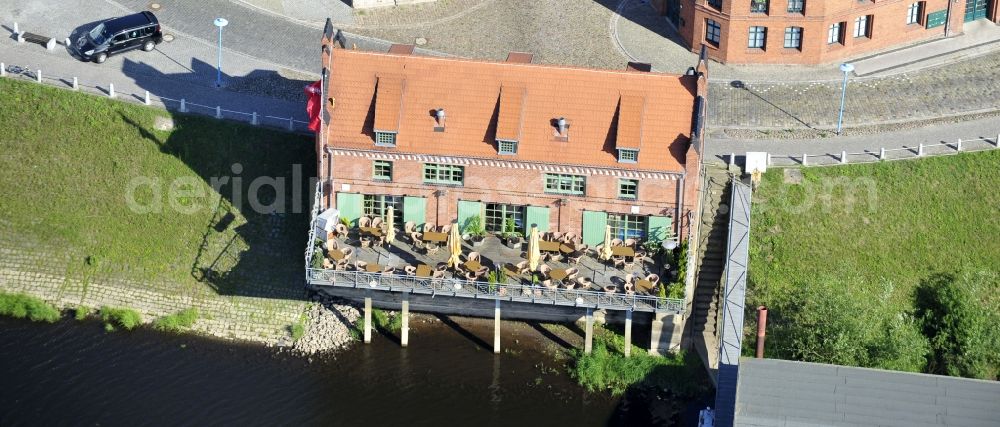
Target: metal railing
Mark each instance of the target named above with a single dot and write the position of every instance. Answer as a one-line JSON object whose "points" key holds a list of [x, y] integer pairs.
{"points": [[317, 201], [390, 282]]}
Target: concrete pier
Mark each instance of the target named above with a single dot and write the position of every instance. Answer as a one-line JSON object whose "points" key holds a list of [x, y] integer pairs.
{"points": [[404, 332], [628, 333], [368, 320], [588, 343], [496, 328]]}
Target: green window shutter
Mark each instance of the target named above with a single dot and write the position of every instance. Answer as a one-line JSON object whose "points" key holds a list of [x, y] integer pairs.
{"points": [[936, 19], [466, 210], [536, 215], [349, 205], [415, 209], [594, 225], [658, 228]]}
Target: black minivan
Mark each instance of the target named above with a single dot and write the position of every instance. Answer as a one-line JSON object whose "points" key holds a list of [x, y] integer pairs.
{"points": [[141, 30]]}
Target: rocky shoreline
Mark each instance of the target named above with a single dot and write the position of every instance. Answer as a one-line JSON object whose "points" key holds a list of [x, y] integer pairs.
{"points": [[328, 326]]}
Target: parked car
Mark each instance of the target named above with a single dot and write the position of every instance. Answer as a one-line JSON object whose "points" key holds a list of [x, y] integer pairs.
{"points": [[116, 35]]}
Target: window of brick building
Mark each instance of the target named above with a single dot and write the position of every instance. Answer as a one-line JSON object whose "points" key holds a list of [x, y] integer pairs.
{"points": [[628, 189], [835, 34], [506, 146], [627, 226], [796, 6], [793, 37], [913, 12], [497, 214], [713, 32], [443, 174], [863, 26], [758, 6], [564, 184], [717, 4], [385, 139], [382, 170], [757, 37], [628, 155], [378, 205]]}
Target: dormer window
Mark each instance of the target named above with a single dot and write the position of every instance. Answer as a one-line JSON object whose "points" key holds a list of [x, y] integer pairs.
{"points": [[505, 146], [628, 155], [385, 139]]}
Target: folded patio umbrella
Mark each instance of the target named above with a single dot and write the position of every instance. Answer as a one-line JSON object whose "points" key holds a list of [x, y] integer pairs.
{"points": [[391, 226], [455, 246], [534, 254], [606, 250]]}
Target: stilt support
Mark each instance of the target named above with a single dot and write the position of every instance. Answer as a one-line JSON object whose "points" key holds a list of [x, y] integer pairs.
{"points": [[628, 333], [368, 320], [496, 328], [588, 343], [404, 332]]}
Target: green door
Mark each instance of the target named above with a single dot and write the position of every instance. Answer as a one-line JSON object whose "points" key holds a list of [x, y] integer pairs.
{"points": [[536, 215], [415, 209], [349, 205], [658, 228], [975, 9], [594, 226], [467, 210]]}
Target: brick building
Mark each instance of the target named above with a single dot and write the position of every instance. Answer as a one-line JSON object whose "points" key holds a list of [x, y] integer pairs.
{"points": [[569, 149], [815, 31]]}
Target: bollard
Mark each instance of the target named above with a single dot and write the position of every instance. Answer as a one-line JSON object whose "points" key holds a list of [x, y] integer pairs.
{"points": [[732, 159], [996, 142], [111, 90], [881, 154], [3, 70], [769, 159], [804, 161], [291, 124], [183, 106], [16, 31], [76, 84], [218, 112], [920, 150], [958, 146], [253, 119], [145, 99], [38, 76], [66, 42], [843, 157]]}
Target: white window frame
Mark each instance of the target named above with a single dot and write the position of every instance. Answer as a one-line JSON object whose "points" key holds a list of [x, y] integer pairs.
{"points": [[713, 28], [757, 39], [793, 34], [913, 13], [862, 26], [385, 139], [833, 33]]}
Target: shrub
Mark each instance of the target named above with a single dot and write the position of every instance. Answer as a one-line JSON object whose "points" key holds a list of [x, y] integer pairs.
{"points": [[177, 322], [383, 321], [960, 318], [24, 306], [317, 259], [474, 226], [298, 330], [81, 312], [122, 317]]}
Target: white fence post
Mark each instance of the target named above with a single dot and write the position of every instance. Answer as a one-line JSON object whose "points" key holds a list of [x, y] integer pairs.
{"points": [[183, 106], [38, 76], [843, 157], [253, 119], [3, 70], [958, 146], [996, 142], [218, 111], [66, 42], [76, 84], [16, 31], [804, 161], [732, 159], [769, 159], [291, 123], [920, 150], [881, 153], [145, 100], [111, 90]]}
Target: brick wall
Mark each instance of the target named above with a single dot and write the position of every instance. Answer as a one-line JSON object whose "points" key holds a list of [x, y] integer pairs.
{"points": [[501, 185], [889, 29]]}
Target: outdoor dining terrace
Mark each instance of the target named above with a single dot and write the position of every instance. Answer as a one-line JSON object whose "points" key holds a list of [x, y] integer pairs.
{"points": [[568, 273]]}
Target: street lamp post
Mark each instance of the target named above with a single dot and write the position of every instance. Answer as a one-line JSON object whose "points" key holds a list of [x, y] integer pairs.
{"points": [[846, 69], [219, 22]]}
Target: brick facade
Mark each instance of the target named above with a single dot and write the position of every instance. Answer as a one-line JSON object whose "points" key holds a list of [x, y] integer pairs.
{"points": [[888, 27]]}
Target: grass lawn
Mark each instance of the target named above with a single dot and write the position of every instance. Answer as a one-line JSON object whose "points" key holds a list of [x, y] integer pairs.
{"points": [[875, 231], [71, 163]]}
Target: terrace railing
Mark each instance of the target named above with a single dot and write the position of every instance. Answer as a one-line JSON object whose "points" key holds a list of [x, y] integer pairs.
{"points": [[491, 291]]}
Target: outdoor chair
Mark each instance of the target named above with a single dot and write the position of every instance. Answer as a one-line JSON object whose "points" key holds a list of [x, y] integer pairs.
{"points": [[484, 270], [376, 222], [437, 275], [572, 272], [569, 237], [470, 276], [545, 270], [388, 269], [629, 263], [441, 266], [522, 267], [366, 242], [332, 244], [341, 265], [584, 282], [630, 243], [410, 270], [575, 257], [364, 222], [409, 227], [629, 289], [327, 264], [629, 278], [555, 236], [446, 228], [348, 252], [619, 261], [557, 257], [653, 279], [548, 284], [473, 256], [360, 265], [616, 242], [341, 231], [432, 248], [569, 284]]}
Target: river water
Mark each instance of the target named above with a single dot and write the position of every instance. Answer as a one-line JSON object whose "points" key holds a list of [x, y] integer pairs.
{"points": [[75, 373]]}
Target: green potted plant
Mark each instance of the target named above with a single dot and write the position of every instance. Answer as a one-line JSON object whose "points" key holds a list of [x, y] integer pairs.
{"points": [[512, 237], [496, 277], [474, 229]]}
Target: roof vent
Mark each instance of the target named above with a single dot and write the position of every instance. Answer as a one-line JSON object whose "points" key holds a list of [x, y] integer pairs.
{"points": [[439, 114], [640, 67], [519, 57], [439, 120], [561, 123]]}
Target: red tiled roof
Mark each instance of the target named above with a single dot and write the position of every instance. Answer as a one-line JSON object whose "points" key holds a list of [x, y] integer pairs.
{"points": [[394, 92]]}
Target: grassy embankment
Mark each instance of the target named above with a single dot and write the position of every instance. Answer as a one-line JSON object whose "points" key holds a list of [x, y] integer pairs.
{"points": [[890, 265], [72, 163]]}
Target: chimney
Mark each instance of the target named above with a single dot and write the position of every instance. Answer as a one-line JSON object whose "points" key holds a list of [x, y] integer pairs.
{"points": [[439, 120], [640, 67], [519, 57], [561, 123]]}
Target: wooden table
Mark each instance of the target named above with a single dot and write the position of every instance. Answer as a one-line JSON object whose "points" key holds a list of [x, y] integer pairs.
{"points": [[373, 268], [511, 270], [548, 246], [558, 274], [567, 248], [424, 270], [371, 231], [432, 236], [473, 265], [643, 285], [336, 254], [622, 251]]}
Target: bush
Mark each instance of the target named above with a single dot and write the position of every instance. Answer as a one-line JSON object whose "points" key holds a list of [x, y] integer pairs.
{"points": [[298, 330], [81, 312], [24, 306], [384, 321], [122, 317], [960, 318], [177, 322]]}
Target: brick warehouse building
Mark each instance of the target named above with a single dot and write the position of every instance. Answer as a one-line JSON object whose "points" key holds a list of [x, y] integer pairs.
{"points": [[569, 149], [815, 31]]}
